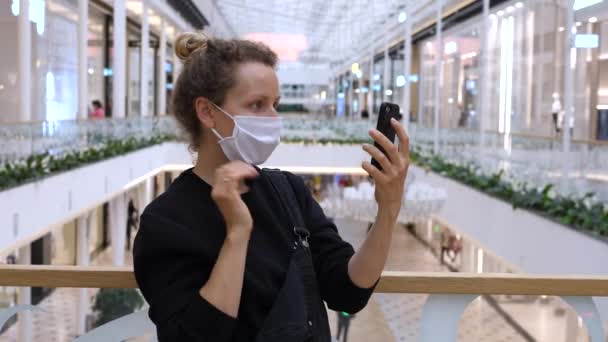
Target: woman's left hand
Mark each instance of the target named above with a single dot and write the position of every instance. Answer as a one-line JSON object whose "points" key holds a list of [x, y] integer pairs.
{"points": [[390, 181]]}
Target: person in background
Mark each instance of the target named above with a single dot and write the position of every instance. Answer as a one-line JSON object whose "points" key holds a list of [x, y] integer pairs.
{"points": [[365, 114], [556, 108], [343, 324], [445, 247], [98, 112], [132, 221]]}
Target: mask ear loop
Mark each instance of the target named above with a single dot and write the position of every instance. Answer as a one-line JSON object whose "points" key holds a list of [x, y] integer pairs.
{"points": [[217, 134]]}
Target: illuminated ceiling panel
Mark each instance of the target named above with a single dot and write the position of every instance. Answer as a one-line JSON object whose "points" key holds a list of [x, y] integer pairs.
{"points": [[332, 29]]}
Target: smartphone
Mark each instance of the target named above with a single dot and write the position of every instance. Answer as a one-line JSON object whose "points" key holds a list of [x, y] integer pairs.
{"points": [[387, 112]]}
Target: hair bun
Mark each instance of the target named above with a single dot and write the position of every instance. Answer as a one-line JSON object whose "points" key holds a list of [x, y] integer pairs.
{"points": [[187, 43]]}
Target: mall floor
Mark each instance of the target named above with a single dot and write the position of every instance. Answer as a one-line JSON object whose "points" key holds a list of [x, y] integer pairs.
{"points": [[388, 317]]}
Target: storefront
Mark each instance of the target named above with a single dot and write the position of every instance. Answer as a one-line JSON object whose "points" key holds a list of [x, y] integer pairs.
{"points": [[525, 68], [377, 83], [54, 34]]}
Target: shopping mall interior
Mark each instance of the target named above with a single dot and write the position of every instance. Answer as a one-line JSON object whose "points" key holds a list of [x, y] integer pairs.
{"points": [[502, 232]]}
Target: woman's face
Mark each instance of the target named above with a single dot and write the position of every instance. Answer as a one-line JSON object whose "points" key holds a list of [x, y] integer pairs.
{"points": [[255, 93]]}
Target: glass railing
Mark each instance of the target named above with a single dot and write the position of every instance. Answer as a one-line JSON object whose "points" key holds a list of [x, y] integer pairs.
{"points": [[425, 306], [20, 141], [535, 160]]}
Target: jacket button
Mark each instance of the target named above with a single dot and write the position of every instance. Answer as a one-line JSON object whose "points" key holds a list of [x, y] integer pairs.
{"points": [[310, 323]]}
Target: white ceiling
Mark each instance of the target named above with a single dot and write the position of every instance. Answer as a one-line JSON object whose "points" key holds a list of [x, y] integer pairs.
{"points": [[332, 27]]}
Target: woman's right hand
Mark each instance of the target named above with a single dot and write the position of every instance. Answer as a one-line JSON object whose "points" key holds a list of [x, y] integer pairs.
{"points": [[228, 185]]}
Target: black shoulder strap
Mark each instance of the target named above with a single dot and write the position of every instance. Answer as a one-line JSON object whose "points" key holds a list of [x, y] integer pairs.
{"points": [[282, 187]]}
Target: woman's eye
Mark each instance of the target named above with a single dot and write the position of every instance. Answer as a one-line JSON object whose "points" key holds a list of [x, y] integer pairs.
{"points": [[256, 105]]}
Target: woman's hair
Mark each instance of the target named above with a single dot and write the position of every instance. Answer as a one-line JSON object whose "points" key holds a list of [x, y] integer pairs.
{"points": [[209, 71], [97, 103]]}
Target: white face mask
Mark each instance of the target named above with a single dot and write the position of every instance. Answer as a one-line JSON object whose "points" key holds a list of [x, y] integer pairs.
{"points": [[253, 139]]}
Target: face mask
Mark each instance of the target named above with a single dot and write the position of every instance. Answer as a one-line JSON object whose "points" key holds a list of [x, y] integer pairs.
{"points": [[253, 139]]}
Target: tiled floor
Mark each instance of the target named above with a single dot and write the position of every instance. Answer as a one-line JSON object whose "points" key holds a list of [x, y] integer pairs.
{"points": [[387, 318], [402, 312], [55, 321]]}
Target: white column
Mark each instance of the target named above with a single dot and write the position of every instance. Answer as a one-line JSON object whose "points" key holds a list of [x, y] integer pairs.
{"points": [[25, 298], [161, 97], [119, 79], [407, 62], [144, 194], [386, 78], [144, 60], [82, 259], [351, 94], [141, 195], [149, 192], [361, 96], [161, 183], [370, 91], [24, 42], [177, 64], [482, 112], [568, 94], [118, 220], [83, 93], [438, 54]]}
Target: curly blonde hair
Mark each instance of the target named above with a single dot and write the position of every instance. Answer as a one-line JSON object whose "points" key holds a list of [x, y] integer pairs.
{"points": [[209, 71]]}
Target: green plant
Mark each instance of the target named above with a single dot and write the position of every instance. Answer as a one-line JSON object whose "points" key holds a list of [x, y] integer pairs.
{"points": [[581, 213], [111, 304], [42, 165]]}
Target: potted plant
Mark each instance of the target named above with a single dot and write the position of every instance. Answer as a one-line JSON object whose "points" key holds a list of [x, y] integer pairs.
{"points": [[111, 304]]}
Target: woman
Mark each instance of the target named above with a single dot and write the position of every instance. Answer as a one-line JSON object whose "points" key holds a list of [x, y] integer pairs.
{"points": [[98, 112], [217, 256]]}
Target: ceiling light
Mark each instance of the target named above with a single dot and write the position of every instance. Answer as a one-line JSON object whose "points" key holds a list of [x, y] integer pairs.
{"points": [[388, 92], [135, 6], [500, 13], [510, 9], [561, 29], [402, 17], [450, 47], [400, 81], [170, 31], [578, 23], [519, 5], [593, 20], [154, 20]]}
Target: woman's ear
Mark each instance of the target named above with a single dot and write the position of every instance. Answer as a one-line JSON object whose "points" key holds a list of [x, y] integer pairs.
{"points": [[204, 111]]}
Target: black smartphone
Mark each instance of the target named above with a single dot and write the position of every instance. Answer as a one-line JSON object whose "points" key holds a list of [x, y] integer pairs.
{"points": [[387, 112]]}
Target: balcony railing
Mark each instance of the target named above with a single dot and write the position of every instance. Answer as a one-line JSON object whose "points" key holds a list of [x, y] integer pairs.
{"points": [[536, 160], [449, 295], [20, 141]]}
